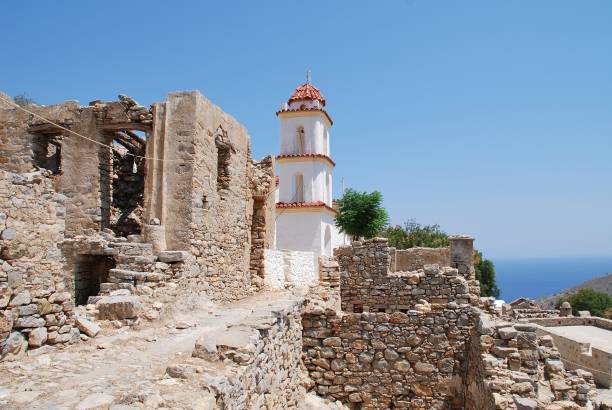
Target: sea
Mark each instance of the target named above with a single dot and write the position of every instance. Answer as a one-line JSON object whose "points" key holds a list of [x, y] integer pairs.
{"points": [[535, 278]]}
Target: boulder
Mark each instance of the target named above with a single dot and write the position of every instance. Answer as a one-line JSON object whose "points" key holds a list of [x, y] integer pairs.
{"points": [[503, 351], [37, 337], [522, 388], [59, 297], [205, 348], [22, 298], [180, 371], [118, 307], [424, 368], [507, 332], [524, 403], [402, 366], [29, 321], [15, 345], [87, 326]]}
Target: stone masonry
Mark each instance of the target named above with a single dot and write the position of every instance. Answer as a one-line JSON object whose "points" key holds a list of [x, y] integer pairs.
{"points": [[423, 340], [132, 275], [86, 219]]}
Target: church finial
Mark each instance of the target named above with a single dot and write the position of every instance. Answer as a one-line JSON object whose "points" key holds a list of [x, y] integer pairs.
{"points": [[308, 75]]}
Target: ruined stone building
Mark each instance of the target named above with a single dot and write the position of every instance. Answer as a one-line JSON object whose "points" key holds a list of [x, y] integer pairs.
{"points": [[150, 189], [138, 269]]}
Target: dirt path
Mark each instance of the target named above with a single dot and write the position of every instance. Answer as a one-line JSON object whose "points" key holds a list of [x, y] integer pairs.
{"points": [[131, 370]]}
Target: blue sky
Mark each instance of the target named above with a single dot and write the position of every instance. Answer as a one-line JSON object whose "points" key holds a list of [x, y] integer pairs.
{"points": [[490, 118]]}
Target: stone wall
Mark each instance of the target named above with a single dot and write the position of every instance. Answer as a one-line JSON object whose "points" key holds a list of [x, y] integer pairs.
{"points": [[577, 354], [263, 215], [202, 193], [574, 321], [35, 299], [329, 273], [259, 361], [85, 173], [534, 313], [367, 284], [416, 258], [399, 339], [419, 340], [458, 254], [128, 195], [381, 360], [284, 268], [510, 367]]}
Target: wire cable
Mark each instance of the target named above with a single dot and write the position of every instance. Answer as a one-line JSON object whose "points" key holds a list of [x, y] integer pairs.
{"points": [[15, 105]]}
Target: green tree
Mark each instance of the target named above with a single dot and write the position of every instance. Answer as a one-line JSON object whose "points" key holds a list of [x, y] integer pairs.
{"points": [[414, 234], [588, 299], [361, 214], [485, 273]]}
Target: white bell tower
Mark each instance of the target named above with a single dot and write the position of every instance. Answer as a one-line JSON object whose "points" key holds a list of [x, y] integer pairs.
{"points": [[304, 210]]}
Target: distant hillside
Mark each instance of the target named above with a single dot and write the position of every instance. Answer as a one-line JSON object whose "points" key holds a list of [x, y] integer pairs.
{"points": [[601, 284]]}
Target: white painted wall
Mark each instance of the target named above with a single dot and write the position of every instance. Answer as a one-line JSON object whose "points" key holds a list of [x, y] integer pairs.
{"points": [[305, 230], [315, 175], [306, 103], [284, 268], [337, 238], [315, 129], [298, 231]]}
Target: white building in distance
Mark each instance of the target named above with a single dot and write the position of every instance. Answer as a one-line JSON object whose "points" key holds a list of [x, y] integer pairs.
{"points": [[305, 216]]}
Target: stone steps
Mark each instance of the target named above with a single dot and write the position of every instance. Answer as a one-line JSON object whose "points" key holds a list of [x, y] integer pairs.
{"points": [[135, 259], [172, 256], [107, 287], [135, 277], [133, 248]]}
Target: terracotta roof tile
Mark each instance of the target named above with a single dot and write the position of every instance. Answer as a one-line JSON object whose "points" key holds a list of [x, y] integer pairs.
{"points": [[307, 91], [311, 204]]}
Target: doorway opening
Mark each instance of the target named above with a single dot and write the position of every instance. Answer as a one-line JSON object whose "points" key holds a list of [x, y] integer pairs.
{"points": [[89, 272]]}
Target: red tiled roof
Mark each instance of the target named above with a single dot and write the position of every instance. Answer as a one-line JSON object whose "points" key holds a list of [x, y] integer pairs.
{"points": [[307, 109], [306, 91], [307, 156], [311, 204]]}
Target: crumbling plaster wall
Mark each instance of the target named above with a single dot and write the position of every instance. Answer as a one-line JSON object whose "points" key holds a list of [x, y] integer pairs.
{"points": [[262, 185], [416, 258], [86, 164], [40, 209], [212, 220], [215, 224]]}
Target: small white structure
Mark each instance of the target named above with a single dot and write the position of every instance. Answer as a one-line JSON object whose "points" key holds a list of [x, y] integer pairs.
{"points": [[287, 268], [304, 210]]}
